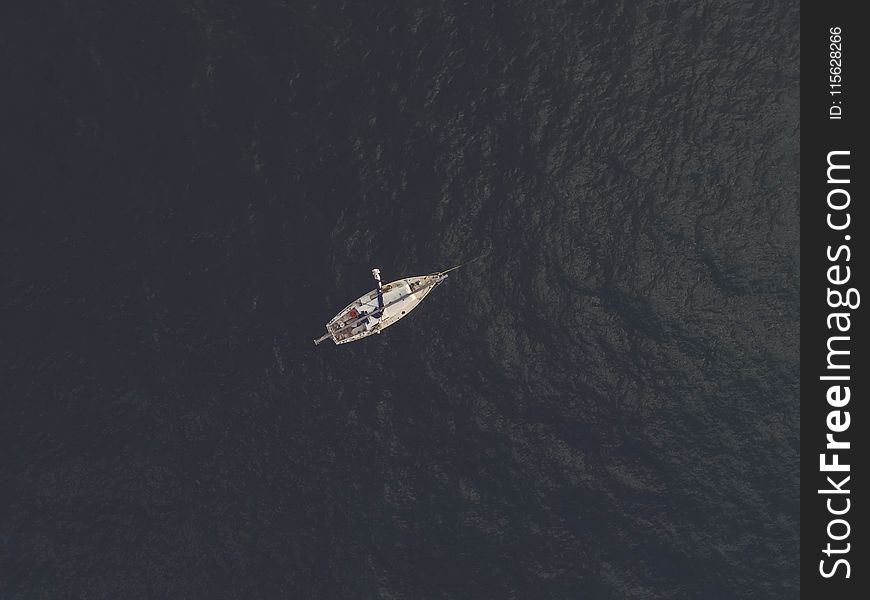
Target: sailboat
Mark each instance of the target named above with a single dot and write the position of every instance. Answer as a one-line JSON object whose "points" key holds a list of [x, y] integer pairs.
{"points": [[385, 305]]}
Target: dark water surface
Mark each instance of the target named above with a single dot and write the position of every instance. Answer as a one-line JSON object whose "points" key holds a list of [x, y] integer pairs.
{"points": [[604, 407]]}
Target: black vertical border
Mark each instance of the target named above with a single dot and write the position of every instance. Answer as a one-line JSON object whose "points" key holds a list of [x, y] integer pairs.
{"points": [[819, 136]]}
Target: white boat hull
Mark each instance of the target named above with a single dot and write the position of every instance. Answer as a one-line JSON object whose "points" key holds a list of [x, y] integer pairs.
{"points": [[362, 318]]}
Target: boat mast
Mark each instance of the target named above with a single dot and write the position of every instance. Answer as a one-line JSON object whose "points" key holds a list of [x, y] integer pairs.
{"points": [[376, 273]]}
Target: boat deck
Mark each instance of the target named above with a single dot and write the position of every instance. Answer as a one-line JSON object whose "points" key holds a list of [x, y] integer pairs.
{"points": [[362, 317]]}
